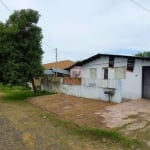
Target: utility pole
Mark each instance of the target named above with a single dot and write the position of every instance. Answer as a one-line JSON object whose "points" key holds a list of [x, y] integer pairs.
{"points": [[56, 61]]}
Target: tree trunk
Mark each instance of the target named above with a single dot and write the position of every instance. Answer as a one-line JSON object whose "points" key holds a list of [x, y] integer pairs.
{"points": [[34, 87]]}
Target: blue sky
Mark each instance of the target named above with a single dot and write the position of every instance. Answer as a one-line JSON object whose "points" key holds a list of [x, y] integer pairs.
{"points": [[82, 28]]}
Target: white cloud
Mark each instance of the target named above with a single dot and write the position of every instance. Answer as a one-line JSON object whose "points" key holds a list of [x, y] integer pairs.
{"points": [[80, 28]]}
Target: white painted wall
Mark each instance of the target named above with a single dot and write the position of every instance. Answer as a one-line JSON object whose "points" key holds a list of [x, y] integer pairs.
{"points": [[132, 85], [98, 63], [129, 88], [92, 92]]}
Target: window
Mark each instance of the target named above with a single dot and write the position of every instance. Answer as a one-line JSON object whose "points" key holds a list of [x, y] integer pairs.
{"points": [[111, 61], [93, 73], [105, 73], [120, 72], [130, 64]]}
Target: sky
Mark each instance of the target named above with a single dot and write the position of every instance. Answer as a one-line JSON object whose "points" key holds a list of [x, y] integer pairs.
{"points": [[82, 28]]}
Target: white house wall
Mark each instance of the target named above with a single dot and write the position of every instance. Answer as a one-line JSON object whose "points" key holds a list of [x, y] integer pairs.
{"points": [[131, 86], [97, 91], [91, 92], [98, 63]]}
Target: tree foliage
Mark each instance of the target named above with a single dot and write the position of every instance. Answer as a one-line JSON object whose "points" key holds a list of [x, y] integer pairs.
{"points": [[20, 47], [143, 54]]}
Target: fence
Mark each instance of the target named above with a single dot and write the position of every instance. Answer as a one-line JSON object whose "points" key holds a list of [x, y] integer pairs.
{"points": [[51, 84]]}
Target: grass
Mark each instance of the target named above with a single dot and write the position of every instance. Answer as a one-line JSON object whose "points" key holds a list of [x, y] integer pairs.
{"points": [[19, 93]]}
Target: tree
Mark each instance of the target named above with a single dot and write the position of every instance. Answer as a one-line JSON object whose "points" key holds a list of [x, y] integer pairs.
{"points": [[20, 48], [143, 54]]}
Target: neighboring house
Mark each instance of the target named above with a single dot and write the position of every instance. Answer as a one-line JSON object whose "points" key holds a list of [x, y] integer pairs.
{"points": [[58, 68], [49, 82], [75, 70], [111, 77], [60, 64]]}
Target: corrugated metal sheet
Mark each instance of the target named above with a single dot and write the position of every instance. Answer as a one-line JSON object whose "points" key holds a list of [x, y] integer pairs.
{"points": [[54, 70], [48, 72]]}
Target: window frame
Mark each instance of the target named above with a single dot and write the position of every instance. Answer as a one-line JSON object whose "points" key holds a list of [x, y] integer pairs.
{"points": [[92, 74], [122, 75], [105, 73]]}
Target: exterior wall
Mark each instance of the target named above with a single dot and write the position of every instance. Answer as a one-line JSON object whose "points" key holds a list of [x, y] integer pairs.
{"points": [[131, 85], [91, 92], [128, 87], [99, 64]]}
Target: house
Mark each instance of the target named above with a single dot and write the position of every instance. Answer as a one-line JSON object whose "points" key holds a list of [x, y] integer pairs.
{"points": [[58, 68], [75, 70], [60, 64], [49, 82], [111, 78]]}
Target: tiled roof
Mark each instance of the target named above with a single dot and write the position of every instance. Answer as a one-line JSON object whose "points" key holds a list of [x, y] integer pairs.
{"points": [[60, 64]]}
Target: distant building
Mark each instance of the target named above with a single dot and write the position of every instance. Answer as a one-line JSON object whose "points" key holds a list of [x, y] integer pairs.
{"points": [[58, 68], [60, 64]]}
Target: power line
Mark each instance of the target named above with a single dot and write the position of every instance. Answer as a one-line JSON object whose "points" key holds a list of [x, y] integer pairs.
{"points": [[139, 5], [48, 46], [5, 6]]}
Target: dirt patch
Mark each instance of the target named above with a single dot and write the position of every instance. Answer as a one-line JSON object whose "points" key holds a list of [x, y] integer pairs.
{"points": [[79, 110]]}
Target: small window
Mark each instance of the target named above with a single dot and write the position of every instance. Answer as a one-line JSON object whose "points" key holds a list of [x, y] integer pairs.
{"points": [[120, 73], [111, 61], [93, 73], [105, 70], [130, 64]]}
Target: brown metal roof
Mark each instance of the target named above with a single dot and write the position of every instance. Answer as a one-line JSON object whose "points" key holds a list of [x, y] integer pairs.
{"points": [[60, 64]]}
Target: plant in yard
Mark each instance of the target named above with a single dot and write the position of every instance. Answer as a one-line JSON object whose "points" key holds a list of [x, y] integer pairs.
{"points": [[20, 48]]}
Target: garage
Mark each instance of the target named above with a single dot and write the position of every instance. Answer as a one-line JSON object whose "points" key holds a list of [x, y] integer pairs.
{"points": [[146, 82]]}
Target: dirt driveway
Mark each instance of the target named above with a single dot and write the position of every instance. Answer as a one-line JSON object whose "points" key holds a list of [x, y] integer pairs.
{"points": [[97, 113], [82, 111]]}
